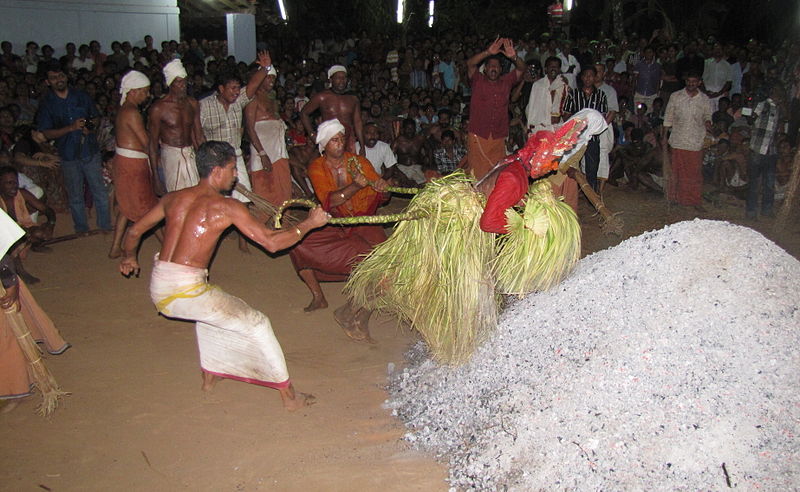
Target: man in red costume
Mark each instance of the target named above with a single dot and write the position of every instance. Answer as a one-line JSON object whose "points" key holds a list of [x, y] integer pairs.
{"points": [[540, 155]]}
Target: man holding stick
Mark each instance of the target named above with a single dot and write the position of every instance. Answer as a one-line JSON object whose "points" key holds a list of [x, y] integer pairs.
{"points": [[235, 340]]}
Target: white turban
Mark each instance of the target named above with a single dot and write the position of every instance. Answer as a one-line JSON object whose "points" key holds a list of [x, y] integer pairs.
{"points": [[173, 70], [132, 80], [595, 125], [326, 131], [336, 68]]}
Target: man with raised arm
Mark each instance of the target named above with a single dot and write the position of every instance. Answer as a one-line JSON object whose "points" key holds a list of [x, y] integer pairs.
{"points": [[235, 340], [488, 109]]}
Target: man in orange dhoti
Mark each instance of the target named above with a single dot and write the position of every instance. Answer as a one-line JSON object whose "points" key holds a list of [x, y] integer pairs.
{"points": [[488, 109], [328, 254], [132, 174], [269, 160]]}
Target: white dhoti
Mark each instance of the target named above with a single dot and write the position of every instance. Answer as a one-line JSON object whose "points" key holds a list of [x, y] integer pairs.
{"points": [[606, 144], [235, 340], [180, 170], [274, 185], [272, 135], [242, 177], [413, 172]]}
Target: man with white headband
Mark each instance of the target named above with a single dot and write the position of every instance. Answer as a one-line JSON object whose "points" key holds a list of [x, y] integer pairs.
{"points": [[347, 186], [335, 103], [133, 183], [175, 133], [269, 158]]}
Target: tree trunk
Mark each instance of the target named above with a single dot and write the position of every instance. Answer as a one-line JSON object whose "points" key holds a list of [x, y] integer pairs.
{"points": [[618, 19]]}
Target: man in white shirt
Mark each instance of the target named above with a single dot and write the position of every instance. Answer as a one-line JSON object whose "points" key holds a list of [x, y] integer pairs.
{"points": [[717, 76], [607, 137], [379, 153], [547, 98]]}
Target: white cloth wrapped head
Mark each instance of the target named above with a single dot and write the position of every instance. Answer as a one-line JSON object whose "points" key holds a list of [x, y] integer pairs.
{"points": [[595, 125], [326, 131], [132, 80], [336, 68], [173, 70]]}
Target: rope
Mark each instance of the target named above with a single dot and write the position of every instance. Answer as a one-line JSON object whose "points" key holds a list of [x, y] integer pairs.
{"points": [[361, 219]]}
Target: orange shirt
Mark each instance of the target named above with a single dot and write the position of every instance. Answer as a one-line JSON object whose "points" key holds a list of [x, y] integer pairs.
{"points": [[364, 202]]}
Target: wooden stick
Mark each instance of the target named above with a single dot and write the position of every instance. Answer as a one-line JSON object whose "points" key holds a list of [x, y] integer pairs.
{"points": [[666, 169], [68, 237], [791, 194], [610, 223]]}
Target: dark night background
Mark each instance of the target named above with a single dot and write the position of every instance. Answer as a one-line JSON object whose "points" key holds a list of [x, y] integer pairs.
{"points": [[732, 20]]}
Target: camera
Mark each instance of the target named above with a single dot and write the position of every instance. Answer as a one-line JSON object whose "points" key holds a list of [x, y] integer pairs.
{"points": [[89, 125]]}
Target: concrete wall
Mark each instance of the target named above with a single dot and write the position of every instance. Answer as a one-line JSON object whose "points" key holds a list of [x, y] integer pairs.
{"points": [[56, 22]]}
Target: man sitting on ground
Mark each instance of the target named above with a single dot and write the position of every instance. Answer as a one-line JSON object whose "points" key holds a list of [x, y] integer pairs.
{"points": [[18, 203]]}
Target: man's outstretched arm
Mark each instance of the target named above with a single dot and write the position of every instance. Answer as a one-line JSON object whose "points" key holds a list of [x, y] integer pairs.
{"points": [[130, 245], [274, 241]]}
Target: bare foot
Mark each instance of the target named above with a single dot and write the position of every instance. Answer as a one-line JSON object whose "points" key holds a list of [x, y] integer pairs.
{"points": [[299, 401], [209, 381], [10, 406], [316, 303], [115, 253], [295, 400], [344, 316], [361, 322]]}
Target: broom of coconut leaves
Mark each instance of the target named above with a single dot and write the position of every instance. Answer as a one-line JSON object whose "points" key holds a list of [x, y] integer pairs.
{"points": [[542, 245], [42, 377], [261, 204], [435, 272]]}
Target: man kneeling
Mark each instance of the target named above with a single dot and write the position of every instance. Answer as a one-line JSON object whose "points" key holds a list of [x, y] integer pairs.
{"points": [[235, 340]]}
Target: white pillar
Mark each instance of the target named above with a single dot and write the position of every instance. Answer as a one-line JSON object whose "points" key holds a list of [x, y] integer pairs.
{"points": [[242, 36]]}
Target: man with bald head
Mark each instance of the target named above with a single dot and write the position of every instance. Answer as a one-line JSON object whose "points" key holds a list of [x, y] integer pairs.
{"points": [[175, 133], [488, 111], [335, 103]]}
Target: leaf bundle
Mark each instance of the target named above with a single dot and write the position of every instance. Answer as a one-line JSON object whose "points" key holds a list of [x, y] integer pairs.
{"points": [[542, 245], [435, 272]]}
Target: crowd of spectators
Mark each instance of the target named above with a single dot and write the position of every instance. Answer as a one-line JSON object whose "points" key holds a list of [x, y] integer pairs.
{"points": [[424, 80]]}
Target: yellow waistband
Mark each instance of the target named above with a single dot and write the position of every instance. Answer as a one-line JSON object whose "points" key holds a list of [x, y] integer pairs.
{"points": [[184, 294]]}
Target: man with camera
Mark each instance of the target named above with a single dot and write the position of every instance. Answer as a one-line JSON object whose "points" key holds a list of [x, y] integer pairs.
{"points": [[70, 117]]}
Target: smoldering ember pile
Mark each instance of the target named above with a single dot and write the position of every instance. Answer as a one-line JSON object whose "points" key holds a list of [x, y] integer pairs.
{"points": [[671, 361]]}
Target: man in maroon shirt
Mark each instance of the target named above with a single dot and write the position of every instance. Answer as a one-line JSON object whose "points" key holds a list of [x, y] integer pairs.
{"points": [[488, 109]]}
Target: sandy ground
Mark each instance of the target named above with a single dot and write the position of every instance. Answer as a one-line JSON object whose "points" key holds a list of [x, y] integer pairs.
{"points": [[137, 420]]}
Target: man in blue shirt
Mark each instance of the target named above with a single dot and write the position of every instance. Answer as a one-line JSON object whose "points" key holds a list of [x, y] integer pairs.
{"points": [[69, 116]]}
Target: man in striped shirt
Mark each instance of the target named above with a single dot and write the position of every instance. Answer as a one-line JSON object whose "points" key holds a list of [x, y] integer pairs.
{"points": [[588, 97], [763, 157]]}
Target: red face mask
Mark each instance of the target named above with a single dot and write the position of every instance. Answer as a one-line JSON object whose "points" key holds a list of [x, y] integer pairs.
{"points": [[543, 150]]}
